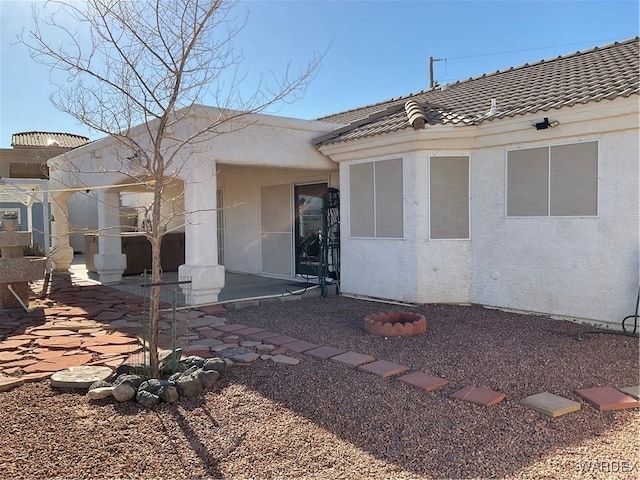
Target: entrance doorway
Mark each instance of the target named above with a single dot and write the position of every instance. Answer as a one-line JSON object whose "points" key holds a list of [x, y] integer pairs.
{"points": [[309, 201]]}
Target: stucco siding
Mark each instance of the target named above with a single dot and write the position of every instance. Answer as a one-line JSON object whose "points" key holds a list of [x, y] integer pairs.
{"points": [[581, 267]]}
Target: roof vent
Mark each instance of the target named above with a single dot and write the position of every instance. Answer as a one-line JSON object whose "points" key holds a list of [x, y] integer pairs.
{"points": [[415, 115]]}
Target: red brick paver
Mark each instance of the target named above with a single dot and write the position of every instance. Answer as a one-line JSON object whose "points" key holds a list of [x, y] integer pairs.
{"points": [[607, 398], [479, 396], [424, 381], [324, 353], [300, 346], [280, 340], [352, 359], [383, 368]]}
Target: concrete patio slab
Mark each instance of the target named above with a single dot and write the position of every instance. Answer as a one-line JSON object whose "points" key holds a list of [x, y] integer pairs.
{"points": [[479, 396], [607, 398], [383, 368], [632, 391], [324, 353], [424, 381], [550, 405], [353, 359]]}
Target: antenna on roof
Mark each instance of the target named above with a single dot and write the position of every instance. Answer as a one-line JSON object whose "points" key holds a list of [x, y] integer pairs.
{"points": [[431, 79]]}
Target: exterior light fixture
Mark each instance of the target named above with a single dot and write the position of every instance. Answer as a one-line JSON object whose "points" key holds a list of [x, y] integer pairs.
{"points": [[546, 124]]}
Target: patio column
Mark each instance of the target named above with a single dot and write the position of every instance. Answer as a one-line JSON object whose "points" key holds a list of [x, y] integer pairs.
{"points": [[61, 252], [201, 241], [110, 262]]}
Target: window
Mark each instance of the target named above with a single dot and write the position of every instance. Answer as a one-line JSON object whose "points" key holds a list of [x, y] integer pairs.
{"points": [[449, 197], [553, 181], [375, 194]]}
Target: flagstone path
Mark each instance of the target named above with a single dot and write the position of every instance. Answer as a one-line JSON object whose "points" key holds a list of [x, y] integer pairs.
{"points": [[86, 324]]}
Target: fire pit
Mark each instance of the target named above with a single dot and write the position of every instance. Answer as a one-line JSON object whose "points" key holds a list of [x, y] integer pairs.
{"points": [[395, 324]]}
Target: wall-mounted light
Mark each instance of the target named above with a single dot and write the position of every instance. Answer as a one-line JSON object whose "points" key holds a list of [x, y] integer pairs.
{"points": [[546, 124]]}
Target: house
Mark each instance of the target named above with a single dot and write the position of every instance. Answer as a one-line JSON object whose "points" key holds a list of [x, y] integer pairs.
{"points": [[516, 189], [23, 170]]}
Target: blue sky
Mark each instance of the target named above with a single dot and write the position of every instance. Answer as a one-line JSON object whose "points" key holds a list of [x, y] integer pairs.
{"points": [[377, 49]]}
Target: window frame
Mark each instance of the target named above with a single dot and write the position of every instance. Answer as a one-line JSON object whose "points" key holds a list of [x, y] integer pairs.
{"points": [[468, 237], [549, 147], [375, 209]]}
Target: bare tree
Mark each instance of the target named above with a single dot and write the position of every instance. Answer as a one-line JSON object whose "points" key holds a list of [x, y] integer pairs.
{"points": [[150, 63]]}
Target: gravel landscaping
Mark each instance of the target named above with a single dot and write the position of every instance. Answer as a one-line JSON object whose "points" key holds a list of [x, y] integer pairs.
{"points": [[319, 419]]}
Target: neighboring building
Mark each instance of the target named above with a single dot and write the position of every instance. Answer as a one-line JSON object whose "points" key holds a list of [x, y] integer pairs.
{"points": [[516, 189], [27, 160]]}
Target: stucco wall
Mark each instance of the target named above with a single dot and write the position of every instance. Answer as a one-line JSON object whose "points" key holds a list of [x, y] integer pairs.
{"points": [[242, 224], [586, 267]]}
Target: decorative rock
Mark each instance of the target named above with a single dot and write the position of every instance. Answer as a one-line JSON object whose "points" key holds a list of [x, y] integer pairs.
{"points": [[124, 392], [168, 393], [136, 369], [146, 399], [100, 393], [249, 343], [216, 364], [244, 357], [266, 357], [284, 360], [231, 339], [192, 360], [153, 385], [133, 380], [207, 378], [265, 348], [189, 386], [81, 377], [100, 384]]}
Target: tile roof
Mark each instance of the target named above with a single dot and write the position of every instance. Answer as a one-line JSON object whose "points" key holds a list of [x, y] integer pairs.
{"points": [[47, 139], [601, 73]]}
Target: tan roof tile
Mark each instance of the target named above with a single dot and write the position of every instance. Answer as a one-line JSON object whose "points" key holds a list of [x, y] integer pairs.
{"points": [[47, 139], [602, 73]]}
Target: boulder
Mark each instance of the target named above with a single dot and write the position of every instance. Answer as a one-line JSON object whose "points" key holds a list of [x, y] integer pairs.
{"points": [[147, 399], [168, 393], [189, 386], [216, 364], [207, 378], [133, 369], [192, 361], [123, 392], [100, 393], [130, 379]]}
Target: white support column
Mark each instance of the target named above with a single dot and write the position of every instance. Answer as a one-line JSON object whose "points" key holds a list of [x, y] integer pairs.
{"points": [[201, 249], [110, 262], [61, 252]]}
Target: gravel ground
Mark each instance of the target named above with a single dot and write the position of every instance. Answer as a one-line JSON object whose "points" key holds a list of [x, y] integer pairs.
{"points": [[322, 420]]}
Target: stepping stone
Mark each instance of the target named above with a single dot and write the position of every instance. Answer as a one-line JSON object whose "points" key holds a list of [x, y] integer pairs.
{"points": [[53, 333], [424, 381], [383, 368], [60, 342], [35, 376], [10, 357], [300, 346], [263, 335], [48, 354], [248, 343], [205, 322], [8, 383], [550, 405], [280, 340], [117, 349], [352, 359], [230, 328], [607, 398], [245, 332], [108, 316], [244, 357], [205, 342], [57, 364], [632, 391], [285, 360], [210, 332], [19, 363], [479, 396], [13, 344], [265, 348], [212, 309], [108, 340], [74, 325], [324, 353], [80, 377]]}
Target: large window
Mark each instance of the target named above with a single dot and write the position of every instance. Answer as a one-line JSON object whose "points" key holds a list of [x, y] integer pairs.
{"points": [[449, 197], [375, 195], [553, 181]]}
